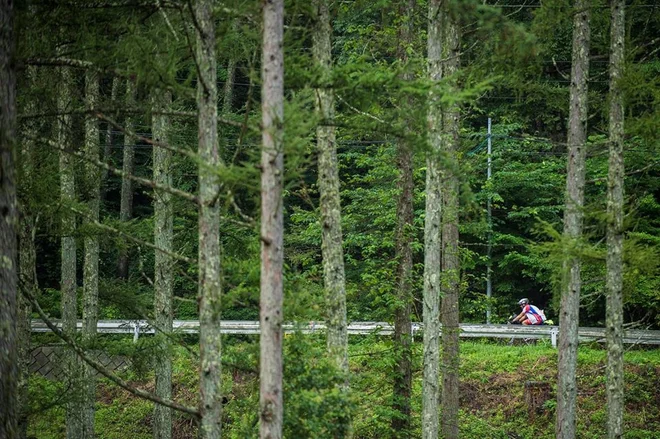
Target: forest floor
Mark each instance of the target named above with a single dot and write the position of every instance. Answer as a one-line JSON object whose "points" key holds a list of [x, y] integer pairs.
{"points": [[493, 400]]}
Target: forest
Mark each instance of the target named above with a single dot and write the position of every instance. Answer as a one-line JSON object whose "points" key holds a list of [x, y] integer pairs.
{"points": [[417, 163]]}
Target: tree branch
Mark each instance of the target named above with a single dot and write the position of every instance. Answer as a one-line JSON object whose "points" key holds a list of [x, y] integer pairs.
{"points": [[103, 370], [183, 194], [138, 241]]}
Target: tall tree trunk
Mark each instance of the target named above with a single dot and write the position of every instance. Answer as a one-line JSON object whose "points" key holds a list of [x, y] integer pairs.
{"points": [[9, 374], [403, 253], [228, 90], [27, 257], [450, 251], [210, 287], [331, 243], [615, 190], [107, 148], [432, 230], [126, 202], [91, 263], [573, 216], [272, 228], [74, 429], [163, 275]]}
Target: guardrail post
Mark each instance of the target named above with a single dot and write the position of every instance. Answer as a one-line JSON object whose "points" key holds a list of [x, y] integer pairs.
{"points": [[553, 336], [136, 331]]}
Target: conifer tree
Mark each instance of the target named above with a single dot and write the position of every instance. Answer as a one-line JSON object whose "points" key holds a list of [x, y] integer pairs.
{"points": [[403, 248], [432, 229], [450, 251], [210, 287], [573, 219], [271, 408], [27, 257], [68, 281], [9, 376], [332, 248], [109, 137], [91, 261], [615, 192], [128, 164], [163, 275]]}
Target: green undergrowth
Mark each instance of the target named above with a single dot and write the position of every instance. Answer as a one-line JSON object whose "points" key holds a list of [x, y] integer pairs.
{"points": [[493, 377]]}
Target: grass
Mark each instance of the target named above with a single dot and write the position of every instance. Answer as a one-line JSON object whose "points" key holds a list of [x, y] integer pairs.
{"points": [[492, 375]]}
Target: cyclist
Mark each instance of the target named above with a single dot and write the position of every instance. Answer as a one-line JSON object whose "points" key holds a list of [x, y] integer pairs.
{"points": [[530, 315]]}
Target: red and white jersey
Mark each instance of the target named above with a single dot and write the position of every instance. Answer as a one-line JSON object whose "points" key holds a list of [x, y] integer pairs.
{"points": [[533, 314]]}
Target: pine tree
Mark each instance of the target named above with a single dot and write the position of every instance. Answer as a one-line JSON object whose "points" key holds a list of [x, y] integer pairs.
{"points": [[432, 230], [332, 249], [109, 138], [68, 281], [403, 249], [9, 375], [450, 251], [210, 287], [163, 275], [271, 408], [91, 261], [128, 165], [27, 253], [573, 219], [615, 191]]}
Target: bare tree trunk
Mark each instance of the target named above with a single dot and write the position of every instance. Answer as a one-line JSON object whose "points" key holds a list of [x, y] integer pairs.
{"points": [[68, 250], [107, 148], [272, 228], [27, 258], [9, 356], [163, 275], [432, 230], [228, 91], [450, 250], [615, 190], [573, 217], [332, 246], [403, 253], [126, 203], [28, 280], [91, 263], [210, 287]]}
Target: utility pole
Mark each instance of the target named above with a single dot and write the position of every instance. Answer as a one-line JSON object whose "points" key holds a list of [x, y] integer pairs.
{"points": [[489, 285]]}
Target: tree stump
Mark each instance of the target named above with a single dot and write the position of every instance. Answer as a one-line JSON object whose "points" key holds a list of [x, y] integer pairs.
{"points": [[536, 394]]}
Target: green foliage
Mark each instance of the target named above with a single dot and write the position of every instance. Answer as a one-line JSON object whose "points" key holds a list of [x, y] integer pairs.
{"points": [[492, 376], [316, 404]]}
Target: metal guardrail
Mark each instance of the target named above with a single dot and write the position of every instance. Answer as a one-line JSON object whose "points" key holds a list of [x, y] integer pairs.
{"points": [[138, 327]]}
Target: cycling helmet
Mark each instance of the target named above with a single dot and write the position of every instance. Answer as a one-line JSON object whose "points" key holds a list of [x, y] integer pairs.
{"points": [[523, 302]]}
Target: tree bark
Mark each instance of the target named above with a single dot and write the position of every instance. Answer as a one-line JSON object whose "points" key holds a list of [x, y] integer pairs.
{"points": [[432, 230], [126, 202], [210, 287], [27, 258], [450, 250], [615, 191], [272, 227], [68, 251], [573, 218], [403, 237], [107, 148], [331, 231], [9, 356], [163, 264], [228, 90], [91, 262]]}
